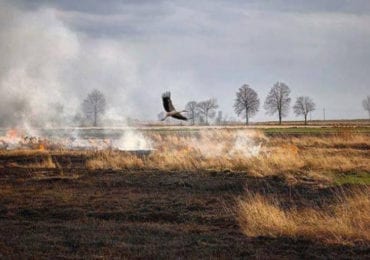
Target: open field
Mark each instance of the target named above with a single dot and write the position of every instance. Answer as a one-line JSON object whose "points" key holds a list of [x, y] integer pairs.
{"points": [[206, 193]]}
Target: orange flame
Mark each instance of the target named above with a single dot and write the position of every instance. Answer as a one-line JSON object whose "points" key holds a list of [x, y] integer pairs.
{"points": [[290, 148], [12, 133], [41, 147]]}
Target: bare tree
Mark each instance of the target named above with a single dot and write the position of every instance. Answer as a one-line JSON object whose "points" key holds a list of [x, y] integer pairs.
{"points": [[192, 107], [303, 106], [246, 103], [207, 109], [366, 104], [94, 106], [278, 100]]}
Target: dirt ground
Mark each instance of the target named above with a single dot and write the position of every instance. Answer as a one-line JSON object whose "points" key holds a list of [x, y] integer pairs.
{"points": [[75, 213]]}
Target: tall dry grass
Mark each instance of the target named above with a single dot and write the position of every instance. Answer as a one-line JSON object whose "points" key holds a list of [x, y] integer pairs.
{"points": [[235, 150], [345, 222], [247, 151], [114, 160]]}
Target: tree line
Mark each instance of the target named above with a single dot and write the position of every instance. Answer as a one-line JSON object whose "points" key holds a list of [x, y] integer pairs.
{"points": [[277, 102], [246, 105]]}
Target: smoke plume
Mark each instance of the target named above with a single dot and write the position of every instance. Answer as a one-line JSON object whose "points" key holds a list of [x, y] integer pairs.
{"points": [[46, 70]]}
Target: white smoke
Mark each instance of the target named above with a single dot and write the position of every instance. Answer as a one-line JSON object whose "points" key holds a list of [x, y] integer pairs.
{"points": [[46, 70], [133, 141], [216, 144], [246, 143], [35, 48]]}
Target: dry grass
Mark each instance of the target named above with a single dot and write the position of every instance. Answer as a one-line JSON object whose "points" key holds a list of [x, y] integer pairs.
{"points": [[46, 162], [102, 213], [345, 222], [39, 160], [114, 160], [247, 151]]}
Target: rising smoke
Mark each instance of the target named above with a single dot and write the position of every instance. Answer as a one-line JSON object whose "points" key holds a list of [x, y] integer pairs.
{"points": [[46, 70]]}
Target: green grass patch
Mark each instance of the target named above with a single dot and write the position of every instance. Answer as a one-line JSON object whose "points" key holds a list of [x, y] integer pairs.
{"points": [[356, 178], [316, 130]]}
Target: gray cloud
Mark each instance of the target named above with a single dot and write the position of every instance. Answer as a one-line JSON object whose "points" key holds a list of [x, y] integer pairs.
{"points": [[198, 49]]}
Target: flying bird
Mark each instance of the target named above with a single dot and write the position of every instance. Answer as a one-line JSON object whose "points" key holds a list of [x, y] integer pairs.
{"points": [[170, 109]]}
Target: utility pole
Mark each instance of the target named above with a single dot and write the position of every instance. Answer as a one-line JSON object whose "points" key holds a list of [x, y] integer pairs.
{"points": [[324, 113]]}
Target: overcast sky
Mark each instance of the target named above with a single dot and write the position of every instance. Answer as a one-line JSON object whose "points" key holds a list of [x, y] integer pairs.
{"points": [[135, 50]]}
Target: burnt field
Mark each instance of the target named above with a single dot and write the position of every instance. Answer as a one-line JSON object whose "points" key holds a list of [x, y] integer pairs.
{"points": [[289, 196], [145, 214]]}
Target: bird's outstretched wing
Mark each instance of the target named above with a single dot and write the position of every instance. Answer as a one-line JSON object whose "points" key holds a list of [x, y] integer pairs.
{"points": [[167, 103], [179, 116]]}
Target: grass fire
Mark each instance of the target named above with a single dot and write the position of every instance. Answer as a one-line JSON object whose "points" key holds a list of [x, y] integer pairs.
{"points": [[218, 189], [184, 129]]}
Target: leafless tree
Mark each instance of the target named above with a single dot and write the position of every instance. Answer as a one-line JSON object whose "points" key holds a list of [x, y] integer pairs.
{"points": [[207, 109], [303, 106], [278, 100], [246, 103], [94, 106], [192, 107], [366, 104]]}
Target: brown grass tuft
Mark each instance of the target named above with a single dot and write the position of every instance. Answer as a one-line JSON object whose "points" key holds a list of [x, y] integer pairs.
{"points": [[345, 222], [113, 160]]}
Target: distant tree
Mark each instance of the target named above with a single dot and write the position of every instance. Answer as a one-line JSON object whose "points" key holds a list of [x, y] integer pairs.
{"points": [[366, 104], [94, 106], [278, 100], [78, 119], [56, 114], [191, 107], [207, 109], [246, 103], [303, 106]]}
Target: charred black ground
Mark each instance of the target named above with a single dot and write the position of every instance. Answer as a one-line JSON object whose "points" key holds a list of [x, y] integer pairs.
{"points": [[144, 214]]}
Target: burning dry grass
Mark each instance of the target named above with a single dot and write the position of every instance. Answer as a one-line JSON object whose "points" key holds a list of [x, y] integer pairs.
{"points": [[345, 222], [137, 199], [229, 150], [246, 151]]}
